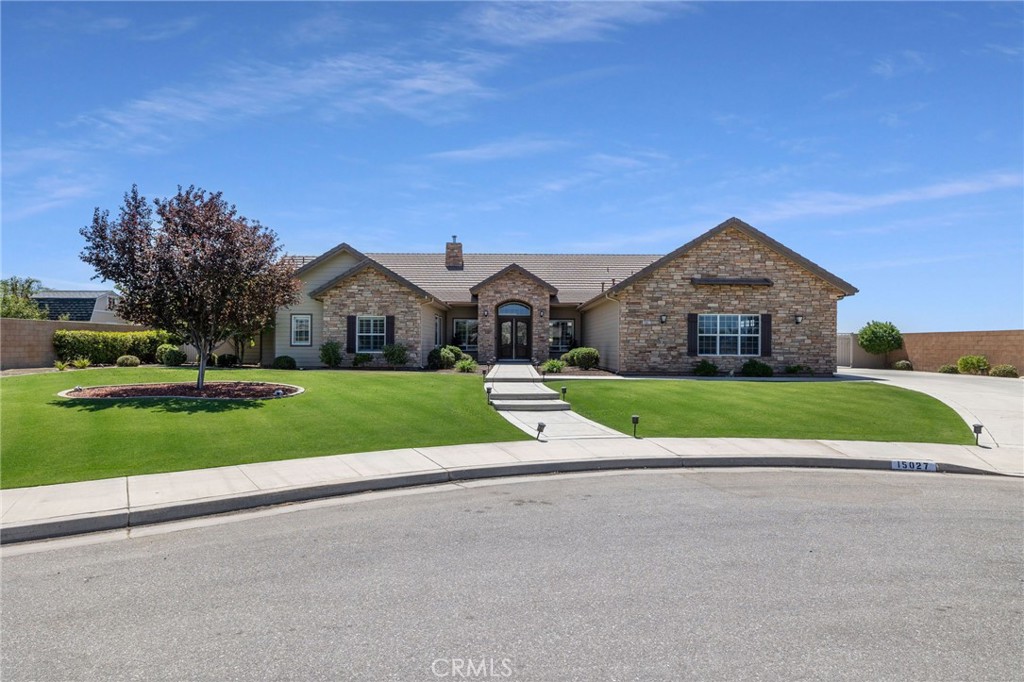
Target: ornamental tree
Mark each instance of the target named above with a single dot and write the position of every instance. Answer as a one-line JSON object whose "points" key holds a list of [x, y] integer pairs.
{"points": [[880, 338], [197, 269], [16, 298]]}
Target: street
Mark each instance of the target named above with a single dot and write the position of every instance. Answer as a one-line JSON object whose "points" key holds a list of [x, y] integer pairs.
{"points": [[661, 575]]}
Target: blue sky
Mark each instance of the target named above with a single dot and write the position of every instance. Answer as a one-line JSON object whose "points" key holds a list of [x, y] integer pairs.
{"points": [[881, 140]]}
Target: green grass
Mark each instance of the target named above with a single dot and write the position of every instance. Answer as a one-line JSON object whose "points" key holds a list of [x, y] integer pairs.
{"points": [[748, 409], [46, 439]]}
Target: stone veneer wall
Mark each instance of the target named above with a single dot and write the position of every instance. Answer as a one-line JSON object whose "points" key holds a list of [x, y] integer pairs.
{"points": [[514, 286], [928, 350], [369, 292], [647, 346]]}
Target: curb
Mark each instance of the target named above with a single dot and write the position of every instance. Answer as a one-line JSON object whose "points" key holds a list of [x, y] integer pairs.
{"points": [[143, 516]]}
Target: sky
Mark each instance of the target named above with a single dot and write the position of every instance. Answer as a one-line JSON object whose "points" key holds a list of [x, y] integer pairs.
{"points": [[883, 141]]}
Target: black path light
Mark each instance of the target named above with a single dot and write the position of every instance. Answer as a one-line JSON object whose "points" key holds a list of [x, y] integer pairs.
{"points": [[977, 432], [540, 429], [488, 389], [565, 389], [636, 420]]}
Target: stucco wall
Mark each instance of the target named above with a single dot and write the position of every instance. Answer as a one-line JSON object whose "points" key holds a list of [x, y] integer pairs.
{"points": [[29, 343], [647, 345], [928, 350]]}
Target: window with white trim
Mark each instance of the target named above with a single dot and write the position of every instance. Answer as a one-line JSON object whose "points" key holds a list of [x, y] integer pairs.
{"points": [[370, 333], [561, 335], [438, 331], [465, 334], [728, 334], [302, 330]]}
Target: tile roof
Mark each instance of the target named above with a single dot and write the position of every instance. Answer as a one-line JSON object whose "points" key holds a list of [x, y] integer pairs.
{"points": [[76, 309], [66, 293]]}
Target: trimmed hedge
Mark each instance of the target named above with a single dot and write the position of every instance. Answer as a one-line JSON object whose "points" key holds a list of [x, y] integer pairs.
{"points": [[904, 365], [948, 369], [170, 355], [1008, 371], [582, 357], [128, 361], [104, 348], [284, 362], [972, 364], [756, 368]]}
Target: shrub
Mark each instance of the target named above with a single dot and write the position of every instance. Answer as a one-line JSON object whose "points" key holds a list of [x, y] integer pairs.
{"points": [[705, 368], [227, 360], [552, 367], [755, 368], [170, 355], [879, 337], [284, 362], [395, 354], [466, 364], [103, 348], [128, 361], [361, 359], [972, 364], [211, 360], [585, 358], [799, 369], [60, 365], [444, 357], [330, 354], [904, 365], [81, 363], [1003, 371], [948, 369]]}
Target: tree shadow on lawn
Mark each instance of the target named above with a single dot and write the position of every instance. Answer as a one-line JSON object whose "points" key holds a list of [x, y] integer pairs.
{"points": [[170, 405]]}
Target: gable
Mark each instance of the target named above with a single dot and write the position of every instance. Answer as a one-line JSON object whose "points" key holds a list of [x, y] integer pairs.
{"points": [[511, 270], [368, 265]]}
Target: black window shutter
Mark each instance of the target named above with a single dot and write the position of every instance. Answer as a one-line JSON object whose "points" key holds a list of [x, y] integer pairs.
{"points": [[691, 334], [766, 335], [389, 329], [350, 341]]}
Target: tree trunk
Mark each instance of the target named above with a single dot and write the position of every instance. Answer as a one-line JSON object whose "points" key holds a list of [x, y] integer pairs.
{"points": [[202, 370]]}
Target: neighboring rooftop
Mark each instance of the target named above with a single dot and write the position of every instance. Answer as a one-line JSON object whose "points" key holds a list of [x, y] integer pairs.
{"points": [[78, 306]]}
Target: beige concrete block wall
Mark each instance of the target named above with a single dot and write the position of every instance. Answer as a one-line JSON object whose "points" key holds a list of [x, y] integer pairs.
{"points": [[928, 350], [29, 343]]}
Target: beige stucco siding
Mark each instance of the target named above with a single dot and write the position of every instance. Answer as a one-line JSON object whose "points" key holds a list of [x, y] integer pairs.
{"points": [[601, 331], [428, 313], [309, 356]]}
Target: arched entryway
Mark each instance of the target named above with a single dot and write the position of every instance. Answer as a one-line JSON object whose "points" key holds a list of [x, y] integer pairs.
{"points": [[514, 331]]}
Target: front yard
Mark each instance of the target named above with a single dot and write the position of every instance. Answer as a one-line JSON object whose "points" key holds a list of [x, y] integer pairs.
{"points": [[46, 439], [750, 409]]}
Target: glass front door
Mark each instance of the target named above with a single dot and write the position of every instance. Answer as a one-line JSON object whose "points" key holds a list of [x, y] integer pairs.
{"points": [[514, 332]]}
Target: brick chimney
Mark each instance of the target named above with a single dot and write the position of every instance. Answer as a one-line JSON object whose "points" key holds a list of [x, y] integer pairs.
{"points": [[453, 254]]}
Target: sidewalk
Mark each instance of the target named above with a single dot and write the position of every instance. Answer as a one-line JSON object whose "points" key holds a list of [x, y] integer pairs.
{"points": [[73, 508]]}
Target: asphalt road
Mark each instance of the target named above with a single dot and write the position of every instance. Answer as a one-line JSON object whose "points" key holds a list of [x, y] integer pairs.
{"points": [[723, 574]]}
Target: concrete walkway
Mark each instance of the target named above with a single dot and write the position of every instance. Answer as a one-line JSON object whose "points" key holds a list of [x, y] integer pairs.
{"points": [[73, 508]]}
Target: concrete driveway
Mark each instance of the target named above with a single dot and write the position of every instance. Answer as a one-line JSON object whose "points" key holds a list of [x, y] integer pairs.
{"points": [[995, 402]]}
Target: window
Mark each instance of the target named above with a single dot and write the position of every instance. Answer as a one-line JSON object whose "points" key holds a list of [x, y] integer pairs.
{"points": [[302, 330], [561, 335], [370, 334], [438, 331], [517, 309], [728, 334], [465, 334]]}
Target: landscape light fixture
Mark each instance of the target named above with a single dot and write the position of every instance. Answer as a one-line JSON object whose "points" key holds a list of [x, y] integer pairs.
{"points": [[565, 389], [636, 420], [540, 429], [488, 389], [798, 318], [977, 432], [664, 319]]}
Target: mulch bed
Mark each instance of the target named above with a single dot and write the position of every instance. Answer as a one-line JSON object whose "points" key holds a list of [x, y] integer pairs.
{"points": [[236, 390]]}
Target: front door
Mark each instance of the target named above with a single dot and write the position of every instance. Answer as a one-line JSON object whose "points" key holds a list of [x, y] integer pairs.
{"points": [[514, 332]]}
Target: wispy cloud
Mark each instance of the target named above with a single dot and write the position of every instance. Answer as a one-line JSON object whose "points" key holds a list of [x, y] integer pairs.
{"points": [[514, 148], [321, 27], [565, 22], [171, 29], [903, 63], [805, 204]]}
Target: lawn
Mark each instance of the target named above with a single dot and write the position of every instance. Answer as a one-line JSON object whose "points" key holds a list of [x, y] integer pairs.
{"points": [[46, 439], [747, 409]]}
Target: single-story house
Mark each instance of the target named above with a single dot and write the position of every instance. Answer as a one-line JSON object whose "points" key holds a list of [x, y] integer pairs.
{"points": [[729, 295], [79, 306]]}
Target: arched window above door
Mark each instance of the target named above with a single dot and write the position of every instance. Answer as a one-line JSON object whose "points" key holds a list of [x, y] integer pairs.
{"points": [[514, 310]]}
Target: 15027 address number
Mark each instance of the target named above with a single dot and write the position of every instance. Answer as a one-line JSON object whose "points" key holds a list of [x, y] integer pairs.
{"points": [[911, 465]]}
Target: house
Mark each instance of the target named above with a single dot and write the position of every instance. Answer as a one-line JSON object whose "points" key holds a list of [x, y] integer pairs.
{"points": [[731, 294], [79, 306]]}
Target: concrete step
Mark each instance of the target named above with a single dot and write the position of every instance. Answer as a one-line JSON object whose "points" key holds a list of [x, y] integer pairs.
{"points": [[531, 405], [511, 380], [524, 395]]}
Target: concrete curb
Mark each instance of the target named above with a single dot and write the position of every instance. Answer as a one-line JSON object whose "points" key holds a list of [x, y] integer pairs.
{"points": [[142, 516]]}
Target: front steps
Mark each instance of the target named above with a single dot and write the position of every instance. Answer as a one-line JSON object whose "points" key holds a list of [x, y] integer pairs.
{"points": [[518, 388]]}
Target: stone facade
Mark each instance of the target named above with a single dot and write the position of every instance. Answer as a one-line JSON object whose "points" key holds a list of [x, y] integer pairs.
{"points": [[649, 346], [370, 292], [513, 286]]}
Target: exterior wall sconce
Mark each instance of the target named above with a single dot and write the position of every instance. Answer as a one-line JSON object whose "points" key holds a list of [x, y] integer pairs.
{"points": [[486, 313], [798, 318], [542, 313], [664, 319]]}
